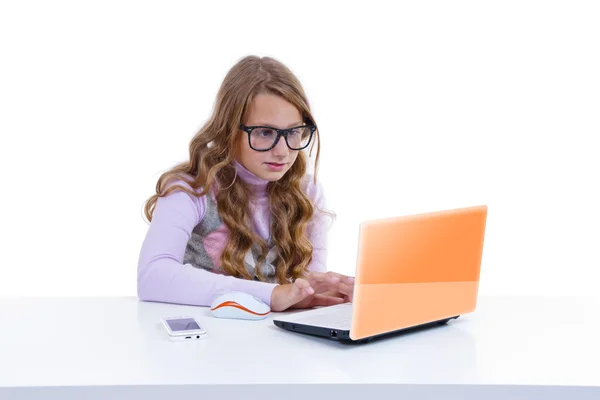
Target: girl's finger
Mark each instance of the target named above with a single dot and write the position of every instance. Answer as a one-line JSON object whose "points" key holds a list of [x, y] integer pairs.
{"points": [[335, 278], [303, 287], [322, 282], [323, 300], [345, 289]]}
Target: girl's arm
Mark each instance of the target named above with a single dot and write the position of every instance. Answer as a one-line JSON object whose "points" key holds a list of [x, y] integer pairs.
{"points": [[163, 277]]}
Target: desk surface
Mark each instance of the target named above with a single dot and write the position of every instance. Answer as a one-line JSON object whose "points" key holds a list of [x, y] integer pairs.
{"points": [[118, 342]]}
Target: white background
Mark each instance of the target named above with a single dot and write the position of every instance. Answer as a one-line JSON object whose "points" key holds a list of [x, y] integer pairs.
{"points": [[421, 106]]}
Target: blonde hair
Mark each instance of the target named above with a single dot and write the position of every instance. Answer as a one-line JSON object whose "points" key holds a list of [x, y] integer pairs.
{"points": [[212, 152]]}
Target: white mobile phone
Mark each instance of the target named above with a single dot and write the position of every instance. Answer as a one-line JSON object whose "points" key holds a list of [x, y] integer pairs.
{"points": [[183, 328]]}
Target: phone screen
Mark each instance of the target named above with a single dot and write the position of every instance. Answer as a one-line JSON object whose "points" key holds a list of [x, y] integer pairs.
{"points": [[183, 324]]}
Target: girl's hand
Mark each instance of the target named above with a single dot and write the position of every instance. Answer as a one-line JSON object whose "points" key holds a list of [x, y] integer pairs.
{"points": [[284, 296], [331, 284], [318, 289]]}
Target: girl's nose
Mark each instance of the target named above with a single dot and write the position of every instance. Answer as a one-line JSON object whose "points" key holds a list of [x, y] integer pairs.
{"points": [[281, 148]]}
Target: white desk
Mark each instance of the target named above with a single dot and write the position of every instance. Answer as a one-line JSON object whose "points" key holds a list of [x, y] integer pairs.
{"points": [[99, 348]]}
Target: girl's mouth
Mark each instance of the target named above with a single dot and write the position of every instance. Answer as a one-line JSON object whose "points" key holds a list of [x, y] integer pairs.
{"points": [[275, 166]]}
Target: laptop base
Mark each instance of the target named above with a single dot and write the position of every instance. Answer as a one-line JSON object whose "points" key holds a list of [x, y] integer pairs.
{"points": [[344, 335]]}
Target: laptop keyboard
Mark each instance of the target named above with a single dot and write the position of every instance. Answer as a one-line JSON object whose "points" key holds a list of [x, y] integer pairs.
{"points": [[338, 316]]}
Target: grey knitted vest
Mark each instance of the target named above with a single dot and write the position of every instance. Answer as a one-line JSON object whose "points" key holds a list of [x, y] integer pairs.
{"points": [[197, 255]]}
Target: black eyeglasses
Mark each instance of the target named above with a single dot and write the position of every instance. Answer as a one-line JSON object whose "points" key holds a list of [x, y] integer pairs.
{"points": [[264, 138]]}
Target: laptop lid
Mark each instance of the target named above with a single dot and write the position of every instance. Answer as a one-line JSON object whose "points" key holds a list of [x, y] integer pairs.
{"points": [[417, 269]]}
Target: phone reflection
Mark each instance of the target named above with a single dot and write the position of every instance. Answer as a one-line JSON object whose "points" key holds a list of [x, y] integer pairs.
{"points": [[161, 359]]}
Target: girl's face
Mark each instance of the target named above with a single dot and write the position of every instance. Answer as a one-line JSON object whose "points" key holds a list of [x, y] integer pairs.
{"points": [[276, 112]]}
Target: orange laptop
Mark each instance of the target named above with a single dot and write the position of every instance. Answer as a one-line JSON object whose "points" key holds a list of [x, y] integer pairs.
{"points": [[412, 272]]}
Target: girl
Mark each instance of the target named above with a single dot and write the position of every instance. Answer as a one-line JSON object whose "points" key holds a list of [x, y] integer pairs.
{"points": [[243, 214]]}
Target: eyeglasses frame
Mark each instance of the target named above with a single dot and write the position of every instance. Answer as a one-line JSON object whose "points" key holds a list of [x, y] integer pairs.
{"points": [[280, 133]]}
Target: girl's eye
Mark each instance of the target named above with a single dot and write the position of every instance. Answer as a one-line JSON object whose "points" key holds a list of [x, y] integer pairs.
{"points": [[265, 132]]}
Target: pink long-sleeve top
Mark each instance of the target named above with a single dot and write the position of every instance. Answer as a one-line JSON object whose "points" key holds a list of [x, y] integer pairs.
{"points": [[179, 259]]}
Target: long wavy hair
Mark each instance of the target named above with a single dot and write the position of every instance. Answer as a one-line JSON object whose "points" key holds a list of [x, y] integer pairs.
{"points": [[211, 156]]}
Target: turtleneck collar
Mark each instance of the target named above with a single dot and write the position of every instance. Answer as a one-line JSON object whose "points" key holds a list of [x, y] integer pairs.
{"points": [[257, 185]]}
